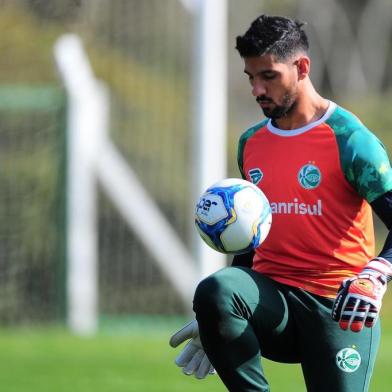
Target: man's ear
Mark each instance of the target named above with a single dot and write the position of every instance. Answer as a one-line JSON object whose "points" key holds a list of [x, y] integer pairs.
{"points": [[303, 67]]}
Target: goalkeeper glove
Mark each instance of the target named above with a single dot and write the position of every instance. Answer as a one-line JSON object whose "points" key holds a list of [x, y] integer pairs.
{"points": [[358, 301], [192, 358]]}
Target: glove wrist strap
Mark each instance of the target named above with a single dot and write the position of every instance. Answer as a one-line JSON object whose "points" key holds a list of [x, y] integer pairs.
{"points": [[379, 268]]}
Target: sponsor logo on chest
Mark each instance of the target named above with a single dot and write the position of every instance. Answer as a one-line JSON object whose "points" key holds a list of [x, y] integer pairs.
{"points": [[255, 175], [295, 207], [308, 177]]}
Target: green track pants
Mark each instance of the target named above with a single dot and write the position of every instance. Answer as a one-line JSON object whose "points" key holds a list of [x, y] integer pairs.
{"points": [[244, 316]]}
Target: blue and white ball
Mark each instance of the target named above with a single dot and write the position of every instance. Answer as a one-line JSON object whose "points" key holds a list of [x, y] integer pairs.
{"points": [[233, 216]]}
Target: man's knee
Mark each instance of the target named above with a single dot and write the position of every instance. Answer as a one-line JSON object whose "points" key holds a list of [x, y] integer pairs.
{"points": [[209, 292], [215, 293], [221, 307]]}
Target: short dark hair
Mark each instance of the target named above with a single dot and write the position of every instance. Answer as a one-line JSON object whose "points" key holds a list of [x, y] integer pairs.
{"points": [[276, 35]]}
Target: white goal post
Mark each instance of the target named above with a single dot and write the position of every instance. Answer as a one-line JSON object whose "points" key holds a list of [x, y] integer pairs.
{"points": [[92, 158]]}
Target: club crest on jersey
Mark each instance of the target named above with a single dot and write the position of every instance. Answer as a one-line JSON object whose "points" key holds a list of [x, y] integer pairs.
{"points": [[309, 176], [255, 175], [348, 360]]}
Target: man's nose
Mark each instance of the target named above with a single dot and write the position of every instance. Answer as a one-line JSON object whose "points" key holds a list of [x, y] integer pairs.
{"points": [[258, 89]]}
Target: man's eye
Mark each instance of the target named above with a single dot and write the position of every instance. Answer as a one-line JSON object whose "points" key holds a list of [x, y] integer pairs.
{"points": [[269, 76]]}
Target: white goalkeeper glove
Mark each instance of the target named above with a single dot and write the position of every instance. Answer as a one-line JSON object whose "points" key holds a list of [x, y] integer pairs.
{"points": [[192, 359], [358, 301]]}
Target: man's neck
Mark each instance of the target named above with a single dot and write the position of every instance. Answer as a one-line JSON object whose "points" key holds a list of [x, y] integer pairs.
{"points": [[309, 108]]}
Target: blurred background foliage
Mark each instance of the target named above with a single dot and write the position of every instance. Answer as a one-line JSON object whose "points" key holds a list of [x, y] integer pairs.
{"points": [[143, 51]]}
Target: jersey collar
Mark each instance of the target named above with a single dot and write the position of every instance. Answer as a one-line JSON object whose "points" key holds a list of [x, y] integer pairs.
{"points": [[298, 131]]}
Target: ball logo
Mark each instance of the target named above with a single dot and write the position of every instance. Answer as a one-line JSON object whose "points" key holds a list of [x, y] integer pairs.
{"points": [[348, 360], [309, 176], [210, 209]]}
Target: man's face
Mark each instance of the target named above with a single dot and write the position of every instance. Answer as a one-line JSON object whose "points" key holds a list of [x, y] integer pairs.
{"points": [[274, 84]]}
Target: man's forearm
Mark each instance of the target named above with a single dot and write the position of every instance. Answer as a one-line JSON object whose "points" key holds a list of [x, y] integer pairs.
{"points": [[244, 260]]}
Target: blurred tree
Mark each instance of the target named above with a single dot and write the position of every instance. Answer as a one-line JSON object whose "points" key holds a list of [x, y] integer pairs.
{"points": [[54, 10]]}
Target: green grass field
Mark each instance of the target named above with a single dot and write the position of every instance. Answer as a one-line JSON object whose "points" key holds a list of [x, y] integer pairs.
{"points": [[127, 359]]}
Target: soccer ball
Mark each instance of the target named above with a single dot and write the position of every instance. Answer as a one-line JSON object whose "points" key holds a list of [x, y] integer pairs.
{"points": [[233, 216]]}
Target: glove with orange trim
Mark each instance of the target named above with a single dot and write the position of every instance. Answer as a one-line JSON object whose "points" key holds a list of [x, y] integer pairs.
{"points": [[358, 301]]}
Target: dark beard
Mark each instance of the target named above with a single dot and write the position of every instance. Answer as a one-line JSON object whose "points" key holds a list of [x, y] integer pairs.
{"points": [[279, 111]]}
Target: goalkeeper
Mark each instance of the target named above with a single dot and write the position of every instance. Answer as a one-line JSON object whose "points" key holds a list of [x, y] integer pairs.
{"points": [[312, 292]]}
